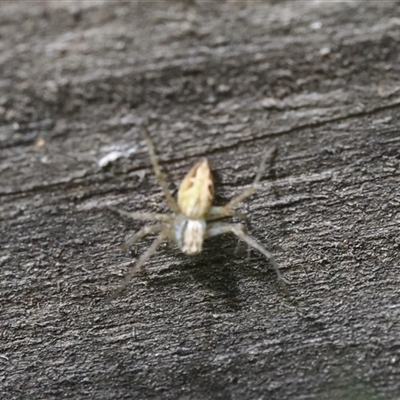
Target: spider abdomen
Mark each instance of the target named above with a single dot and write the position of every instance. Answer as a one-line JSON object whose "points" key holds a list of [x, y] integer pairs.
{"points": [[189, 234]]}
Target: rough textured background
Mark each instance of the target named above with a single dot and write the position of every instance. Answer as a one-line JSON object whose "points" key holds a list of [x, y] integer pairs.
{"points": [[320, 80]]}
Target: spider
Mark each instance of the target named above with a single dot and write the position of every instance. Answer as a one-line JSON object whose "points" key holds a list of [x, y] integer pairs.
{"points": [[191, 220]]}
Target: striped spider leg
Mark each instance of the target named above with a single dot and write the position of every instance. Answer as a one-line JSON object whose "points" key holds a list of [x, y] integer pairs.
{"points": [[220, 228], [187, 226]]}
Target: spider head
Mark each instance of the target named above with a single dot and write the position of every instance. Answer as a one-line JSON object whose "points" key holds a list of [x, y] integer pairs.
{"points": [[189, 234]]}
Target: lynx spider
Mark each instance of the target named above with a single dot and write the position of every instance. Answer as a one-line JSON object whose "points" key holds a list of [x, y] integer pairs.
{"points": [[189, 224]]}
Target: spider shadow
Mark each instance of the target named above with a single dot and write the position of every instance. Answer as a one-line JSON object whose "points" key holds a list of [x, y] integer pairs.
{"points": [[219, 271], [223, 268], [211, 271], [214, 272]]}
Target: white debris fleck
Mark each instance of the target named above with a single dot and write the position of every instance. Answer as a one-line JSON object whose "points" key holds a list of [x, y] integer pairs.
{"points": [[325, 51], [316, 25], [114, 152], [109, 158], [268, 102]]}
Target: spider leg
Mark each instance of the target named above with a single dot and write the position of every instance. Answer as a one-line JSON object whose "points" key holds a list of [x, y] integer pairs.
{"points": [[159, 175], [146, 230], [219, 228], [217, 212], [144, 257], [142, 216], [238, 246], [268, 155]]}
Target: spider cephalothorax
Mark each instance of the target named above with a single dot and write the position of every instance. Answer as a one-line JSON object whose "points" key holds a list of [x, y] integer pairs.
{"points": [[190, 224], [195, 197]]}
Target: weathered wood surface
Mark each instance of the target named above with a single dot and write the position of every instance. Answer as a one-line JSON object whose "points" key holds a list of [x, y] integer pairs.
{"points": [[319, 80]]}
